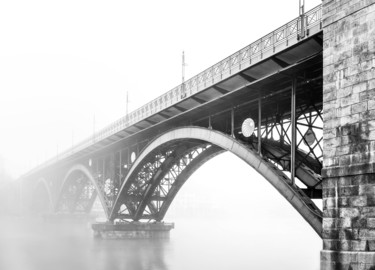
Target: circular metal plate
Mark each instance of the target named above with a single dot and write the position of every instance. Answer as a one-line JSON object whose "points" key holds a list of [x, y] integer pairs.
{"points": [[248, 127]]}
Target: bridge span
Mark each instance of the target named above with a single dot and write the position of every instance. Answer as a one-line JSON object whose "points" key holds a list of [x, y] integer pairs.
{"points": [[322, 59], [136, 165]]}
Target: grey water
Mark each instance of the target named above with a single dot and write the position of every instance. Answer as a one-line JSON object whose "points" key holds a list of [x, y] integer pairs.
{"points": [[194, 244]]}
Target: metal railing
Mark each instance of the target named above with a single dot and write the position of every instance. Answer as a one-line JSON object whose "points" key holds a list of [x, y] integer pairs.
{"points": [[227, 67]]}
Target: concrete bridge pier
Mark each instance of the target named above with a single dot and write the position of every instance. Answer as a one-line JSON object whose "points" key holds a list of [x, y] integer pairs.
{"points": [[349, 135], [132, 230]]}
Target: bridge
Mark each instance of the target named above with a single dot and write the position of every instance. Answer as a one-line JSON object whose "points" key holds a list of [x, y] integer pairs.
{"points": [[282, 81]]}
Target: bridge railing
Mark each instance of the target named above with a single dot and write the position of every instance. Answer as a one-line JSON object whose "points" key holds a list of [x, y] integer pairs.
{"points": [[254, 52], [214, 74]]}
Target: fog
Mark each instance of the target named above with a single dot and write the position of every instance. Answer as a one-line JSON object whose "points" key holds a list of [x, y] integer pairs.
{"points": [[224, 219], [65, 70]]}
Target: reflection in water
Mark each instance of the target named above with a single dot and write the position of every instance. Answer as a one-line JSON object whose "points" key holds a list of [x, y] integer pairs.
{"points": [[232, 221], [34, 244], [130, 254], [31, 244]]}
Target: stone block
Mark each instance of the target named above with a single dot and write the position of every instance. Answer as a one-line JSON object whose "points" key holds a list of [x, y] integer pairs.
{"points": [[350, 119], [330, 182], [330, 202], [344, 201], [371, 245], [368, 115], [345, 160], [344, 245], [347, 234], [359, 87], [371, 222], [368, 211], [331, 213], [359, 222], [359, 245], [357, 201], [349, 212], [363, 179], [329, 192], [329, 256], [366, 257], [330, 233], [359, 107], [329, 223], [330, 244], [344, 223], [345, 181], [348, 191], [371, 199], [371, 104], [366, 95], [366, 189], [330, 133]]}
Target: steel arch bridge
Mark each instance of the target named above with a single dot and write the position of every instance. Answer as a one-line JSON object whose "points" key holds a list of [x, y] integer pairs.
{"points": [[136, 166]]}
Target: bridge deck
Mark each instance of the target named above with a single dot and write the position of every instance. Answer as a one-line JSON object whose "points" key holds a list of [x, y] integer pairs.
{"points": [[265, 64]]}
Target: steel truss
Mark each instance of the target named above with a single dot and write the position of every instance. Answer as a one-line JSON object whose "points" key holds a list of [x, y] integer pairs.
{"points": [[159, 174], [153, 184], [77, 195], [276, 134], [150, 189]]}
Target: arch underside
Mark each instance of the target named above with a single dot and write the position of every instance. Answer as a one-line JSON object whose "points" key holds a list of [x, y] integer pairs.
{"points": [[166, 163], [78, 192], [42, 201]]}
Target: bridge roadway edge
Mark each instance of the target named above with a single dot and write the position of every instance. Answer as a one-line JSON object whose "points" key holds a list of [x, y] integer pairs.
{"points": [[349, 135]]}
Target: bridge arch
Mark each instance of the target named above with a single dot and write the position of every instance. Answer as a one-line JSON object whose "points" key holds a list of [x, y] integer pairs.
{"points": [[81, 170], [41, 188], [212, 142]]}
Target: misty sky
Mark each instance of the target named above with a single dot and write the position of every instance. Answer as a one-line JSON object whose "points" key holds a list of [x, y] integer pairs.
{"points": [[66, 66]]}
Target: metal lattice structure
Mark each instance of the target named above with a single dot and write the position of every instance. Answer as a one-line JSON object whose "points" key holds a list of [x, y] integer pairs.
{"points": [[136, 166]]}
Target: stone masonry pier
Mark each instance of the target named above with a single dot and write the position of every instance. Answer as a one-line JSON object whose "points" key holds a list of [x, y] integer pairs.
{"points": [[349, 135]]}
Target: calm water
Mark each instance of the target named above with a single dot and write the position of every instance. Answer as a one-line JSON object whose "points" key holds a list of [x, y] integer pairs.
{"points": [[224, 219], [194, 244]]}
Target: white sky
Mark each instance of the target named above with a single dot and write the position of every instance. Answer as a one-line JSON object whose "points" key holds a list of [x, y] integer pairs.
{"points": [[62, 62]]}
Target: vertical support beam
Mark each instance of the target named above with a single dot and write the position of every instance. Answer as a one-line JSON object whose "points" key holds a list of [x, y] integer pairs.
{"points": [[293, 123], [259, 133], [209, 122], [232, 122], [301, 33], [120, 170], [128, 158], [103, 173]]}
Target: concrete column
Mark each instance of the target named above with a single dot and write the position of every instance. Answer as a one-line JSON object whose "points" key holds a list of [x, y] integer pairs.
{"points": [[349, 135]]}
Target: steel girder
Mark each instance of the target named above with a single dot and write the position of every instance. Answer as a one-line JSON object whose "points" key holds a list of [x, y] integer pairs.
{"points": [[166, 163]]}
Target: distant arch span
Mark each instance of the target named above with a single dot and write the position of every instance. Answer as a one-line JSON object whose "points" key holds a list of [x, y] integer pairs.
{"points": [[87, 173], [42, 184]]}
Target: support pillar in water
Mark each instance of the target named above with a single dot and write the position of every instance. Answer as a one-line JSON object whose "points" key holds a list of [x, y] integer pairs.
{"points": [[132, 230], [348, 135]]}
